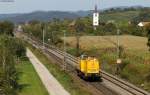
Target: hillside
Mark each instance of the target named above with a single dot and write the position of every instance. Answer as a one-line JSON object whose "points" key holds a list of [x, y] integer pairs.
{"points": [[119, 14], [39, 15], [3, 16], [46, 16]]}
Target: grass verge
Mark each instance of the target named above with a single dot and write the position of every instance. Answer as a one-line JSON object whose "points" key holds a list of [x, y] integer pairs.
{"points": [[29, 81]]}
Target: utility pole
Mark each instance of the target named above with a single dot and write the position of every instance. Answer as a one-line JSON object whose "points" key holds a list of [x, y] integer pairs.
{"points": [[79, 26], [78, 43], [119, 61], [118, 44], [4, 62], [64, 59], [43, 38], [52, 35]]}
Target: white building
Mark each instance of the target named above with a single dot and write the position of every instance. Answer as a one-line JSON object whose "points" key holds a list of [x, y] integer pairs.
{"points": [[142, 24]]}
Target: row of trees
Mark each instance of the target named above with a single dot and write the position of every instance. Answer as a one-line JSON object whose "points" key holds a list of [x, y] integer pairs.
{"points": [[56, 26], [144, 16], [10, 50], [124, 9], [54, 29]]}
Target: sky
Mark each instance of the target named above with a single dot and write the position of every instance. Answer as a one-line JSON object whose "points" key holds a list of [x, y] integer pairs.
{"points": [[26, 6]]}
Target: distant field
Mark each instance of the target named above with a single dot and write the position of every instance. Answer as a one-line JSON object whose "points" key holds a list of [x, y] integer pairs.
{"points": [[127, 41]]}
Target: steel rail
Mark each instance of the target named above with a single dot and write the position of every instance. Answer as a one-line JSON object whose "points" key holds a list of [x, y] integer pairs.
{"points": [[113, 79]]}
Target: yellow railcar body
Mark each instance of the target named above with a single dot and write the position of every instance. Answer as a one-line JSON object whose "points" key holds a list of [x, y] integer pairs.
{"points": [[83, 65], [92, 66], [89, 67]]}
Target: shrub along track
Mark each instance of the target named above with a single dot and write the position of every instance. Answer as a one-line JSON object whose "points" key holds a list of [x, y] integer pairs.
{"points": [[96, 87]]}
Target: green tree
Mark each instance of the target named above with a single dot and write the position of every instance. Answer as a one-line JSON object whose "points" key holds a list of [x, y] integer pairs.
{"points": [[79, 27], [148, 35], [110, 28], [10, 49], [6, 27], [144, 16]]}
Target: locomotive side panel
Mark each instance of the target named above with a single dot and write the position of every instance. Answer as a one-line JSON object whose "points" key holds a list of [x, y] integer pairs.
{"points": [[89, 68]]}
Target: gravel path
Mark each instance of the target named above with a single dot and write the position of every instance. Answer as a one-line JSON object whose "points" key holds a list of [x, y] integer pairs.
{"points": [[51, 84]]}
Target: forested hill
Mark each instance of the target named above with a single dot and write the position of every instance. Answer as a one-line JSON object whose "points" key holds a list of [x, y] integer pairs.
{"points": [[39, 15], [119, 14]]}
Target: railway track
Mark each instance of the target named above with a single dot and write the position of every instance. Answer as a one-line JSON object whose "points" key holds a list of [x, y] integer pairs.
{"points": [[73, 61], [123, 84]]}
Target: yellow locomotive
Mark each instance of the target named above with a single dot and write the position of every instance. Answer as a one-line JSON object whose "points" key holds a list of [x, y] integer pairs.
{"points": [[89, 68]]}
